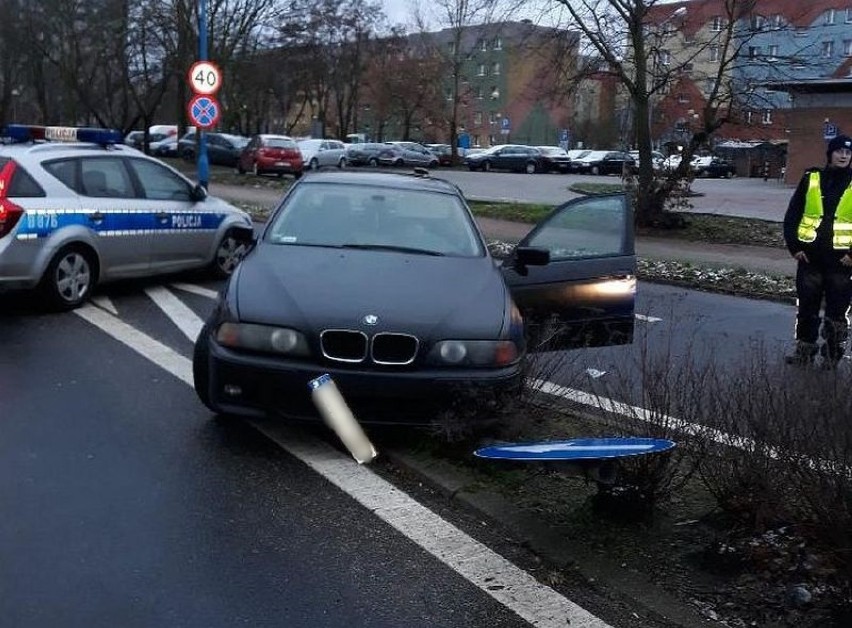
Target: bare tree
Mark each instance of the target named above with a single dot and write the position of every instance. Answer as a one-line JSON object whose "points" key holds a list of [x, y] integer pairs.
{"points": [[635, 42]]}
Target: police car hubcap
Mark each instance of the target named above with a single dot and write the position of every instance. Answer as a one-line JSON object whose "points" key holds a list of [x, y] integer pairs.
{"points": [[72, 277], [230, 254]]}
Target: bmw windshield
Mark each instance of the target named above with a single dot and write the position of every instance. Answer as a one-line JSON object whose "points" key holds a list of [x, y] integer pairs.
{"points": [[376, 217]]}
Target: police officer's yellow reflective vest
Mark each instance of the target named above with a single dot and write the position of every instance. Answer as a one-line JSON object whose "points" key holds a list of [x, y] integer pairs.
{"points": [[812, 216]]}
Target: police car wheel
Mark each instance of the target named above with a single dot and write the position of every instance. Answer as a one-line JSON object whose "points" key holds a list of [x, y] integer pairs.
{"points": [[69, 278], [314, 164], [229, 253], [255, 170]]}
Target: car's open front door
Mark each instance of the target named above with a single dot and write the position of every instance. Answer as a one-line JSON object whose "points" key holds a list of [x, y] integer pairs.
{"points": [[584, 295]]}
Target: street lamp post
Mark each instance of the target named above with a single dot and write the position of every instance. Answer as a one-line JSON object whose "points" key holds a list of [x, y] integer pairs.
{"points": [[15, 93], [679, 12]]}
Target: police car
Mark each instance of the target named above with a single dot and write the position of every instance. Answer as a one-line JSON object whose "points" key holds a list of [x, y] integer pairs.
{"points": [[78, 208]]}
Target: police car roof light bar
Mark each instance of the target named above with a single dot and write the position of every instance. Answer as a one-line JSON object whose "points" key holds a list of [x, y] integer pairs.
{"points": [[30, 133]]}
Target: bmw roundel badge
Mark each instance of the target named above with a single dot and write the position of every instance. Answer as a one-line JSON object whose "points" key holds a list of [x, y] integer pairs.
{"points": [[371, 319]]}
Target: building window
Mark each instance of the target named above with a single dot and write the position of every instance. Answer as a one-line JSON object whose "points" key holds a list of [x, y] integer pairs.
{"points": [[495, 93], [757, 22], [849, 16], [498, 44], [847, 48], [710, 85], [682, 98], [665, 57], [718, 23], [773, 51], [777, 21], [479, 95], [753, 52], [482, 45], [480, 70], [801, 32], [493, 117], [495, 69], [827, 49], [829, 16], [449, 93], [452, 48], [477, 118], [748, 116], [714, 53], [767, 116]]}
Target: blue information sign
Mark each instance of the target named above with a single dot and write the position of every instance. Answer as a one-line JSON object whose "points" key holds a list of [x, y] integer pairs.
{"points": [[575, 449], [829, 131]]}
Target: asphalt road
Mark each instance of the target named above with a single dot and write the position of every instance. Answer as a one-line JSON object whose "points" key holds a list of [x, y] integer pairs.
{"points": [[126, 504]]}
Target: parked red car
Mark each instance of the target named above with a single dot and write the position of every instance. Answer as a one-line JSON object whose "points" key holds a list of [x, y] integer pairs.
{"points": [[271, 153]]}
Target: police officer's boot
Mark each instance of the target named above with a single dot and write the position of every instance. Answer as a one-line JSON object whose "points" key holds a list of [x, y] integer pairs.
{"points": [[831, 355], [836, 334], [803, 355]]}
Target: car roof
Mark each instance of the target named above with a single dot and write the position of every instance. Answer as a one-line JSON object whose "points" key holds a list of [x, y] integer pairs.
{"points": [[28, 151], [272, 136], [382, 179]]}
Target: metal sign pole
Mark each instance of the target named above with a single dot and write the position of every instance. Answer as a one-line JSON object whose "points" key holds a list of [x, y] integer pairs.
{"points": [[203, 163]]}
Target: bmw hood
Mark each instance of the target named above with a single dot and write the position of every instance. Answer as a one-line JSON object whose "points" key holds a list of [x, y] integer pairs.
{"points": [[316, 288]]}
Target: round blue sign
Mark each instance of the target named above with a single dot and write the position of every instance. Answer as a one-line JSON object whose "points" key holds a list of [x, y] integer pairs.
{"points": [[204, 111], [575, 449]]}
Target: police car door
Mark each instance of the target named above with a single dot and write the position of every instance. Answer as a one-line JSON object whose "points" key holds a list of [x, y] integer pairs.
{"points": [[584, 296], [108, 198], [183, 235]]}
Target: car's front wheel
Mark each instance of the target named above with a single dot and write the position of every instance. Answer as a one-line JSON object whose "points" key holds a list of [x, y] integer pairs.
{"points": [[230, 252], [373, 162], [530, 169], [314, 164], [70, 278], [201, 368], [342, 163], [596, 170]]}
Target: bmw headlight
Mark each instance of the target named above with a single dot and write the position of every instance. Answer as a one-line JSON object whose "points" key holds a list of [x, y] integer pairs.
{"points": [[474, 353], [266, 338]]}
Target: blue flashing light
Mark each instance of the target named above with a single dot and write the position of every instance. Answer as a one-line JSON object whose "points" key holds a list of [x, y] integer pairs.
{"points": [[29, 133]]}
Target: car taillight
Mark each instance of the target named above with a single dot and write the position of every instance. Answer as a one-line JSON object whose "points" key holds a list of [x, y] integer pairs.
{"points": [[10, 213]]}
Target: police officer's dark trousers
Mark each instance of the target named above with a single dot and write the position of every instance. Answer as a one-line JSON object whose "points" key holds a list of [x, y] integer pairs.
{"points": [[813, 282]]}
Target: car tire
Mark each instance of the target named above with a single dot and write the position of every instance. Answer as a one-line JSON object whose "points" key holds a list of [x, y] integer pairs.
{"points": [[595, 170], [530, 168], [399, 163], [342, 163], [373, 162], [486, 166], [229, 253], [434, 163], [201, 369], [255, 170], [70, 278], [313, 164]]}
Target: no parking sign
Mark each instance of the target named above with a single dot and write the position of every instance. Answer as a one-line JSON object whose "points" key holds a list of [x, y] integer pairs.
{"points": [[204, 111]]}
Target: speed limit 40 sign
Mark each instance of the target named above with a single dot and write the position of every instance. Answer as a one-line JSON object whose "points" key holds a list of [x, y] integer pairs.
{"points": [[205, 78]]}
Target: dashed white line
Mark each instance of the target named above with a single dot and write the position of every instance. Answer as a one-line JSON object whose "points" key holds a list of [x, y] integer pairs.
{"points": [[536, 603], [647, 319], [180, 314], [105, 304], [193, 289]]}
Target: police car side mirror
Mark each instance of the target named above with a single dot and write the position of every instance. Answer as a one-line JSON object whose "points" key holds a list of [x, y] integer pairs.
{"points": [[198, 193]]}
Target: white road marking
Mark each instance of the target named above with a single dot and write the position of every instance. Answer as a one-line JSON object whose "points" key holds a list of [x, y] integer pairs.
{"points": [[647, 319], [180, 314], [105, 304], [514, 588], [193, 289], [536, 603], [144, 345]]}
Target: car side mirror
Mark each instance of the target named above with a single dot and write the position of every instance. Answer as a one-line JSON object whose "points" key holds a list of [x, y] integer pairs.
{"points": [[529, 256], [198, 193]]}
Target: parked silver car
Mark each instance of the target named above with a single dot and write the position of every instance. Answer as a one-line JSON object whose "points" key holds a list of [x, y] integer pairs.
{"points": [[319, 153], [75, 214]]}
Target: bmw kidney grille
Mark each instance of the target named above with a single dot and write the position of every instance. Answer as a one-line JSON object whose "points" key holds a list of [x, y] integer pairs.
{"points": [[354, 346]]}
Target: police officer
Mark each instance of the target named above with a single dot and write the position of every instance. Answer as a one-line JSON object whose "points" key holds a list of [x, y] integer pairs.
{"points": [[818, 233]]}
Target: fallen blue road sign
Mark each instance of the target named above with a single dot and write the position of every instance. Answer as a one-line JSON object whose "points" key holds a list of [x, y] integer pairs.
{"points": [[575, 449]]}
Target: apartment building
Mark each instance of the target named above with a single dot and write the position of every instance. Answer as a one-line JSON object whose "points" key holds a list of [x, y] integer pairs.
{"points": [[732, 53], [509, 88]]}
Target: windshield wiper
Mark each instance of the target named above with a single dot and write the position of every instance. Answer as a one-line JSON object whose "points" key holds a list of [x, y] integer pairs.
{"points": [[391, 247]]}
